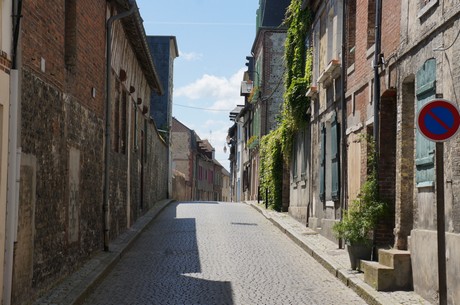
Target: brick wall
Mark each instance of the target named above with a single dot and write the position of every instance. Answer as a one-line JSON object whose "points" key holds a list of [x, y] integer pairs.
{"points": [[360, 85], [387, 172], [43, 38]]}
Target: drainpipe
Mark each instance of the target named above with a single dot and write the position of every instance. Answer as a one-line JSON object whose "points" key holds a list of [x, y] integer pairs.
{"points": [[14, 158], [377, 63], [108, 99], [343, 134]]}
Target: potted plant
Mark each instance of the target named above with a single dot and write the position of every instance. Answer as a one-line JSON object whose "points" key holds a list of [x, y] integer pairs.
{"points": [[361, 218]]}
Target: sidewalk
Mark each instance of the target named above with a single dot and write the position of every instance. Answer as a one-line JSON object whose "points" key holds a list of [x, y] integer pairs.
{"points": [[75, 288], [335, 260]]}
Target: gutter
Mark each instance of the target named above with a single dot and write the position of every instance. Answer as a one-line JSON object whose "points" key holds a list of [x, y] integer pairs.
{"points": [[376, 65], [14, 161], [108, 99], [343, 134]]}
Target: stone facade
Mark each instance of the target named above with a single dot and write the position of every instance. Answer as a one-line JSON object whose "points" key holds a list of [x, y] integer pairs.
{"points": [[263, 104], [194, 162], [6, 98], [429, 39]]}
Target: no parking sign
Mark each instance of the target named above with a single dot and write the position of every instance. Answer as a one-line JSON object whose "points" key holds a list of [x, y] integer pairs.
{"points": [[438, 120]]}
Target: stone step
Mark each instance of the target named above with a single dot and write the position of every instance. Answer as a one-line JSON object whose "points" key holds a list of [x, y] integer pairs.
{"points": [[378, 276], [392, 272], [394, 258]]}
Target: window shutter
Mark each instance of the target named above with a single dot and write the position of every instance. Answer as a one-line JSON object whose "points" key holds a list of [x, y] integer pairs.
{"points": [[425, 149], [322, 170], [334, 159]]}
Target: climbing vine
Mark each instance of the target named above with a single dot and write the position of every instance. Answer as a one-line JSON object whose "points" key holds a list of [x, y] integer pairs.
{"points": [[276, 147]]}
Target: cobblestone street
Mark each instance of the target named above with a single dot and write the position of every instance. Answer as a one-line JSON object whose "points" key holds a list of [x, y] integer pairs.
{"points": [[218, 253]]}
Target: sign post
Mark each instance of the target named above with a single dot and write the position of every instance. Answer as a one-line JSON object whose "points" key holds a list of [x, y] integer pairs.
{"points": [[442, 274], [439, 120]]}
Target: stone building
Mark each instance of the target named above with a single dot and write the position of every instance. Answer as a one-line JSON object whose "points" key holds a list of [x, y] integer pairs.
{"points": [[427, 69], [315, 177], [184, 150], [77, 193], [194, 161], [226, 185], [8, 152]]}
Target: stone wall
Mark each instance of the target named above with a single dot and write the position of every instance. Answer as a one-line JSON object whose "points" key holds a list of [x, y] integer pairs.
{"points": [[61, 144], [427, 34], [62, 139]]}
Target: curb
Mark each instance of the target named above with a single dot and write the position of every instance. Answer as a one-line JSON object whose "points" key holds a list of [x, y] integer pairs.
{"points": [[74, 289]]}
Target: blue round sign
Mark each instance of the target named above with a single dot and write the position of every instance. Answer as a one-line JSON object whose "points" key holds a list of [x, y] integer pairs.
{"points": [[438, 120]]}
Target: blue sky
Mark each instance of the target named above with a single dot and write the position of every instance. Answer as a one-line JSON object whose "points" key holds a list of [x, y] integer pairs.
{"points": [[213, 37]]}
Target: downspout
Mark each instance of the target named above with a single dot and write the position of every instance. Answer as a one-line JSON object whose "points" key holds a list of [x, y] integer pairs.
{"points": [[14, 158], [343, 133], [108, 98], [377, 63]]}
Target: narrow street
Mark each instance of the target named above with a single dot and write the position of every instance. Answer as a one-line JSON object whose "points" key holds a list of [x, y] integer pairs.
{"points": [[218, 253]]}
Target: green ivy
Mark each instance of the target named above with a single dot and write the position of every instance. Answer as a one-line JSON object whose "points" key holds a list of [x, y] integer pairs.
{"points": [[276, 147], [271, 177]]}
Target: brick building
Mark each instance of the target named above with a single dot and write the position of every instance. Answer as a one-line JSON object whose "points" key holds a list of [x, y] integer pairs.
{"points": [[76, 193]]}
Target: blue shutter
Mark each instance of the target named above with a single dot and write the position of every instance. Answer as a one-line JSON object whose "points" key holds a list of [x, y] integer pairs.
{"points": [[426, 91], [322, 170], [294, 157], [334, 159]]}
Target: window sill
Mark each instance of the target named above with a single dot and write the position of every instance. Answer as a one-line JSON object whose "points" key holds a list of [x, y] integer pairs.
{"points": [[351, 69], [370, 51], [426, 8]]}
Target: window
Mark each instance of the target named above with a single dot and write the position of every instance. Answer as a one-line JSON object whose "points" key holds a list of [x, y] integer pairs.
{"points": [[351, 33], [370, 23], [145, 141], [134, 127], [305, 152], [425, 149], [116, 118], [322, 162], [294, 158], [70, 34], [329, 161], [120, 122], [123, 123], [335, 159], [425, 6]]}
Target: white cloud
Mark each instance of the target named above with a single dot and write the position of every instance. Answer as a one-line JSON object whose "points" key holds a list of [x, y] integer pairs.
{"points": [[224, 91], [192, 56], [216, 133]]}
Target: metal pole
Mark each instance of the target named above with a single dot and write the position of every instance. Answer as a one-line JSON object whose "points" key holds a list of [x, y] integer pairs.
{"points": [[343, 126], [258, 194], [266, 198], [441, 223], [376, 100]]}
